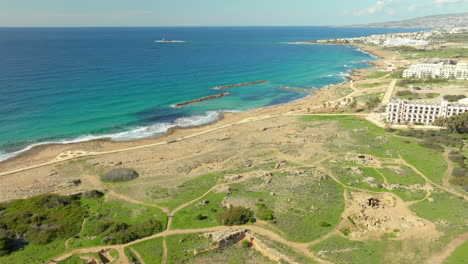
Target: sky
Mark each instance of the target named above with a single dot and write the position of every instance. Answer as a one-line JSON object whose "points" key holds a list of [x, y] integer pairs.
{"points": [[86, 13]]}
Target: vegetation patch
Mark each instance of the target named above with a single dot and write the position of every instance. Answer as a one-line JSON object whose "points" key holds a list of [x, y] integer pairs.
{"points": [[370, 85], [117, 221], [236, 215], [151, 251], [131, 257], [455, 124], [200, 214], [119, 175], [39, 220], [454, 98], [299, 202], [377, 75], [187, 191], [406, 94], [447, 211], [459, 256]]}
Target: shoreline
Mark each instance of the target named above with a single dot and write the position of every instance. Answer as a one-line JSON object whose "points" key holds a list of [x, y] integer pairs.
{"points": [[50, 151]]}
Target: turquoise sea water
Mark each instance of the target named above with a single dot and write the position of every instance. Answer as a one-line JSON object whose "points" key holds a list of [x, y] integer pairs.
{"points": [[76, 84]]}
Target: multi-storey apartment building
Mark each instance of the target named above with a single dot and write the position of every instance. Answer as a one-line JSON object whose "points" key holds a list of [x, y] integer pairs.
{"points": [[441, 70], [402, 111]]}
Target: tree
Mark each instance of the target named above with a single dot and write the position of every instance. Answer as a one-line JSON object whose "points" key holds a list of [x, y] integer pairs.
{"points": [[353, 103], [372, 103], [455, 124], [236, 215]]}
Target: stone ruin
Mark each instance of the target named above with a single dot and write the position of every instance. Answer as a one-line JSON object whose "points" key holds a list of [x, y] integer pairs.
{"points": [[225, 238]]}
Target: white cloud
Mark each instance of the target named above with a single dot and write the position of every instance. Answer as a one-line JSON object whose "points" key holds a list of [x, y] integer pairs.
{"points": [[378, 7], [447, 1], [412, 7], [443, 2]]}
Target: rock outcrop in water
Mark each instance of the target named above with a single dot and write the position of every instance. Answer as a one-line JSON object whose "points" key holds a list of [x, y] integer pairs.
{"points": [[202, 99]]}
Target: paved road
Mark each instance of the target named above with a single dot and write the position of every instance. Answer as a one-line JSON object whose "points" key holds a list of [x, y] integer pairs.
{"points": [[389, 92]]}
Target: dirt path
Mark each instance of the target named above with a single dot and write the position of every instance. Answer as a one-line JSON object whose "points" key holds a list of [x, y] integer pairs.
{"points": [[164, 256], [383, 176], [403, 162], [449, 249], [138, 256], [389, 92], [67, 242], [445, 179]]}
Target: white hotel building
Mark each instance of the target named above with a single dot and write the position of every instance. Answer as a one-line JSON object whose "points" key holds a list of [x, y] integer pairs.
{"points": [[437, 70], [402, 111]]}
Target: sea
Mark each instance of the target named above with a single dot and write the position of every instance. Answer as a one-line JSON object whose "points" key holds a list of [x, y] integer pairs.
{"points": [[65, 85]]}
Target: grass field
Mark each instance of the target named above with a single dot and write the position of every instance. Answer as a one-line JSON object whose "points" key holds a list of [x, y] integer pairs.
{"points": [[75, 259], [459, 256], [371, 85], [188, 191], [443, 53], [151, 250], [299, 202], [376, 75], [182, 248], [447, 211], [364, 98], [187, 217], [401, 174], [33, 254], [117, 211], [340, 250]]}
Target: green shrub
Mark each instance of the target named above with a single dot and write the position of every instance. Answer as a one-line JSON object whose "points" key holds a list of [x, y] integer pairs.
{"points": [[454, 98], [146, 228], [236, 215], [458, 172], [93, 194], [121, 233], [461, 181], [404, 93], [431, 145], [5, 245], [324, 224], [345, 231], [372, 102], [119, 175], [246, 244], [457, 157], [199, 217], [102, 226], [265, 214]]}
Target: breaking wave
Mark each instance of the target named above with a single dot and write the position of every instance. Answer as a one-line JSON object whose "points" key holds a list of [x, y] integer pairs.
{"points": [[131, 133]]}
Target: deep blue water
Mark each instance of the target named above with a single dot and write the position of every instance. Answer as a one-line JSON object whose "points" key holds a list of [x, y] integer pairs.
{"points": [[75, 84]]}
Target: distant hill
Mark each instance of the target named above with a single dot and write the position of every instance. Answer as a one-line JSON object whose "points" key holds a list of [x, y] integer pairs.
{"points": [[455, 20]]}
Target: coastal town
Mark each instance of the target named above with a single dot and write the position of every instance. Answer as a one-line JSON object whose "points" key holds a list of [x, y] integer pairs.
{"points": [[370, 170]]}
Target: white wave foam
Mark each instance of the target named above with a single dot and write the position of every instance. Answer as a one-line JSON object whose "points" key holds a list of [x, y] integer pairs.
{"points": [[171, 41], [132, 133], [344, 74], [368, 53], [326, 76]]}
